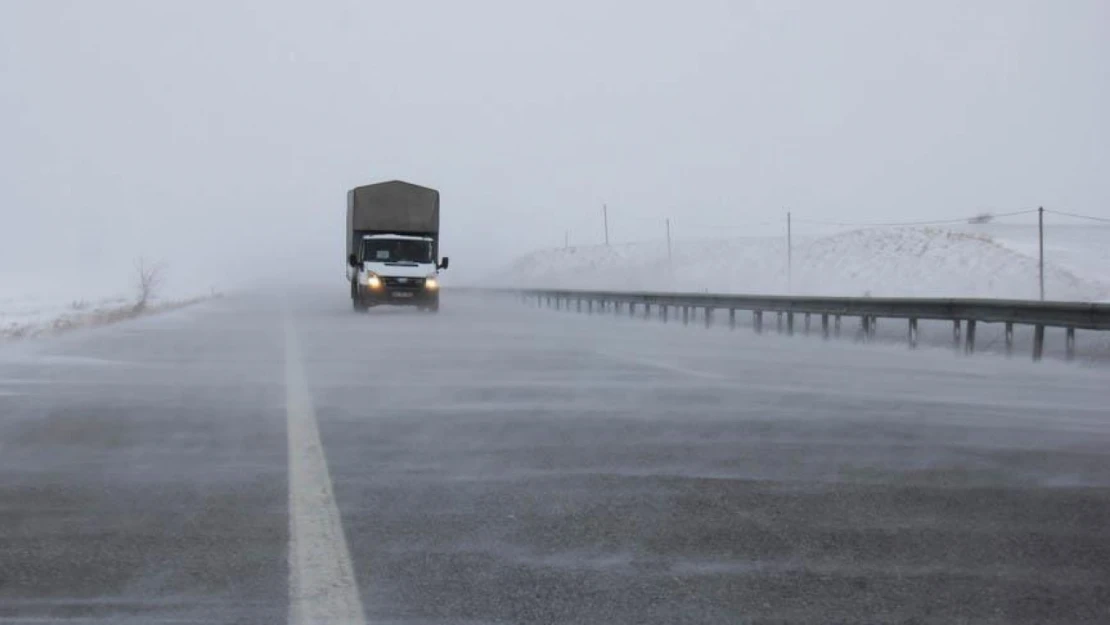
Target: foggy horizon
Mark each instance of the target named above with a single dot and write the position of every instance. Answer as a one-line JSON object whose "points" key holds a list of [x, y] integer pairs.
{"points": [[222, 137]]}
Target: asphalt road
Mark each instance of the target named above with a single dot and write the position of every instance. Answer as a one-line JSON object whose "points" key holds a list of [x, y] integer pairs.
{"points": [[275, 459]]}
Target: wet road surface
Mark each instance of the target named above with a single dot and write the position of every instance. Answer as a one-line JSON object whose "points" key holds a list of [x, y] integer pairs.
{"points": [[275, 459]]}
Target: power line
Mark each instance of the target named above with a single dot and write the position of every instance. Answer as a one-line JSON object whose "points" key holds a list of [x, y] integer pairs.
{"points": [[729, 227], [931, 222], [1103, 219]]}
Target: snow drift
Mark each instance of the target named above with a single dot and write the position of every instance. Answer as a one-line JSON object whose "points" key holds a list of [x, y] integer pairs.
{"points": [[898, 262]]}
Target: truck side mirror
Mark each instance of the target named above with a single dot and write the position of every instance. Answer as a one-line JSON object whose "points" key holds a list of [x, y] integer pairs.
{"points": [[443, 264], [352, 260]]}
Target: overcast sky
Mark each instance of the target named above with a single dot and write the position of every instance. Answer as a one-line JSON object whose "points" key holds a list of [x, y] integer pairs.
{"points": [[222, 135]]}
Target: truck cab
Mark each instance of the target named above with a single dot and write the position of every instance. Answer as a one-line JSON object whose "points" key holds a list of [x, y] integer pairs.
{"points": [[395, 269]]}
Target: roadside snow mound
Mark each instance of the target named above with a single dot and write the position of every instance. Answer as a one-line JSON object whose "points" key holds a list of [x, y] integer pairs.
{"points": [[902, 262], [34, 305]]}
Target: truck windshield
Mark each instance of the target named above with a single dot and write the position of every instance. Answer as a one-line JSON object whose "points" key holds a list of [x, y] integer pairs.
{"points": [[397, 251]]}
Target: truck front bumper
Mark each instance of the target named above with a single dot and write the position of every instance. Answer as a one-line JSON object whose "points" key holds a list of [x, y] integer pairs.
{"points": [[395, 296]]}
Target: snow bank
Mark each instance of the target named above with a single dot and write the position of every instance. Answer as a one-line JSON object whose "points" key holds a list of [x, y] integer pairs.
{"points": [[895, 262], [35, 306]]}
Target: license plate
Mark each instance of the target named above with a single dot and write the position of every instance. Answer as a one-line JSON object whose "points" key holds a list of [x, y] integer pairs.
{"points": [[401, 294]]}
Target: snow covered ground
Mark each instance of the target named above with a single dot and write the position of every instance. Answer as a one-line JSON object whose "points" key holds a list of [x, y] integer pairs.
{"points": [[991, 260], [36, 305]]}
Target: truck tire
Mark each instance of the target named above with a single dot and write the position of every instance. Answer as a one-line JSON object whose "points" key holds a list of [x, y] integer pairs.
{"points": [[356, 302]]}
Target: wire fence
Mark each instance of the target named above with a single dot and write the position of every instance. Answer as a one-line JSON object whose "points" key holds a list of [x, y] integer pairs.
{"points": [[1072, 248], [644, 229]]}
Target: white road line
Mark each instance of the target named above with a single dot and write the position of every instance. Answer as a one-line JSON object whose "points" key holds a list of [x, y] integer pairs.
{"points": [[322, 588]]}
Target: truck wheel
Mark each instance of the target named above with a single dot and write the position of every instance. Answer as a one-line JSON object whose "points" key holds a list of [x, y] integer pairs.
{"points": [[356, 302]]}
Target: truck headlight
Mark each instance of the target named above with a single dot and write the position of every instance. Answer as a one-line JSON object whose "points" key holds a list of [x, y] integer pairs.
{"points": [[373, 281], [431, 284]]}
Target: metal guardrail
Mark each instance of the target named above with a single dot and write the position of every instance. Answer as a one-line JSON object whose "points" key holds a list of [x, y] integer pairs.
{"points": [[1068, 315]]}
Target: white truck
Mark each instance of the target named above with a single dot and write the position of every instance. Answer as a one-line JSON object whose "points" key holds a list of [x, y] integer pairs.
{"points": [[393, 245]]}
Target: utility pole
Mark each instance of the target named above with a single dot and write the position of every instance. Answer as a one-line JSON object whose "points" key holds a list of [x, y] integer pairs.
{"points": [[670, 256], [789, 255], [1040, 230], [605, 215]]}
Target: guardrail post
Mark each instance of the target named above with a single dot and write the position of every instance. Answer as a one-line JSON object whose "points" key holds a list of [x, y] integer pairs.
{"points": [[708, 316], [863, 323], [757, 321], [578, 304], [1009, 338], [807, 324], [647, 310], [731, 318], [790, 323], [631, 309], [589, 307], [1038, 342], [836, 326], [778, 321], [825, 325], [1069, 344], [956, 332], [685, 315], [913, 333], [969, 346], [663, 311]]}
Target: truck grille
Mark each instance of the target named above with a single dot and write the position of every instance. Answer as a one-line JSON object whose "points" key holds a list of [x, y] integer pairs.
{"points": [[404, 283]]}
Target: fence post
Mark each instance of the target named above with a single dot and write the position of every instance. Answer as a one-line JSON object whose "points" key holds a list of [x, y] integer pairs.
{"points": [[969, 346], [790, 323], [578, 304], [1009, 338], [778, 321], [647, 310], [708, 316], [631, 309], [913, 333], [836, 326], [663, 310], [589, 307], [825, 325], [807, 324], [685, 315], [757, 321], [1038, 342], [956, 332], [1069, 344], [732, 318]]}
